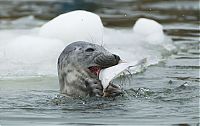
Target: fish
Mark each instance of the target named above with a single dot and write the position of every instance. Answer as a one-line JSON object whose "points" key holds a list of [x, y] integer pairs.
{"points": [[108, 74]]}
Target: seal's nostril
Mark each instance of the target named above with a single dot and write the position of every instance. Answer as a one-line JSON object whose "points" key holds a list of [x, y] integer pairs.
{"points": [[116, 57]]}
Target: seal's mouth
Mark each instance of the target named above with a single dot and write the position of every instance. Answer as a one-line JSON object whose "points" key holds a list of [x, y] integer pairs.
{"points": [[111, 90], [95, 70]]}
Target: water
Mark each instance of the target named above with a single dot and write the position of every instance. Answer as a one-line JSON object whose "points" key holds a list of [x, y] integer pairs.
{"points": [[165, 93]]}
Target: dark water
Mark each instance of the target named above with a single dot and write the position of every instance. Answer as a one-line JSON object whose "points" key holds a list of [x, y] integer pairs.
{"points": [[163, 94]]}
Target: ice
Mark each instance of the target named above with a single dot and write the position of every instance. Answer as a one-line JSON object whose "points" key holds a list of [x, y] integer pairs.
{"points": [[147, 27], [150, 30], [146, 41], [30, 55], [31, 49], [75, 26], [33, 52]]}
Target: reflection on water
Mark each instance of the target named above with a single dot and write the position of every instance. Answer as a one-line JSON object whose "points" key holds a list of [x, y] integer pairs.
{"points": [[166, 93]]}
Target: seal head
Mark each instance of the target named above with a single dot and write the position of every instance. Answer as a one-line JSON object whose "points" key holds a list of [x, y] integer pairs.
{"points": [[78, 67]]}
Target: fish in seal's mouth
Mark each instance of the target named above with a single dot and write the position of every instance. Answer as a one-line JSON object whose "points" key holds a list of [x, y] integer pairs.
{"points": [[110, 91]]}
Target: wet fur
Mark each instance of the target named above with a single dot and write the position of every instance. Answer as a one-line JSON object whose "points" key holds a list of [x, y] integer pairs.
{"points": [[74, 77]]}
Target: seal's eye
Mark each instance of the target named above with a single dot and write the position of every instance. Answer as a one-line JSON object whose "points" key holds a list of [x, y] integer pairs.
{"points": [[89, 50]]}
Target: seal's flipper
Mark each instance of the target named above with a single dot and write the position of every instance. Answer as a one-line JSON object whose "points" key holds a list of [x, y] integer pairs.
{"points": [[112, 91], [94, 87]]}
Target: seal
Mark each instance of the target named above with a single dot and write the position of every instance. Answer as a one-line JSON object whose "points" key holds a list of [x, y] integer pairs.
{"points": [[78, 67]]}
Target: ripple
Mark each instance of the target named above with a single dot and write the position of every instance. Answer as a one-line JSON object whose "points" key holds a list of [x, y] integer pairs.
{"points": [[172, 95]]}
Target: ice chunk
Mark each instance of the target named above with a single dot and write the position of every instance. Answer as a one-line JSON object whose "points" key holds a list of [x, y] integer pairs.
{"points": [[147, 26], [150, 30], [27, 55], [74, 26], [27, 48], [24, 53]]}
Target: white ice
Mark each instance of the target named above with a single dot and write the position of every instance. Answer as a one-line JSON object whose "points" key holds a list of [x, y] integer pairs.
{"points": [[34, 52], [74, 26]]}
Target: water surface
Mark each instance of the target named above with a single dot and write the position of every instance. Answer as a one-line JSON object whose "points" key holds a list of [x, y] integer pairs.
{"points": [[166, 93]]}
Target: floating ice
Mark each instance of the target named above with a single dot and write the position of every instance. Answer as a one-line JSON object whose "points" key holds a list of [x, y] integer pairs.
{"points": [[150, 30], [29, 55], [74, 26], [145, 41], [34, 52], [147, 27]]}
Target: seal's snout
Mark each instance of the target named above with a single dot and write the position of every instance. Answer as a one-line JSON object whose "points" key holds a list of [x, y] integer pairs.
{"points": [[105, 61], [117, 58]]}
